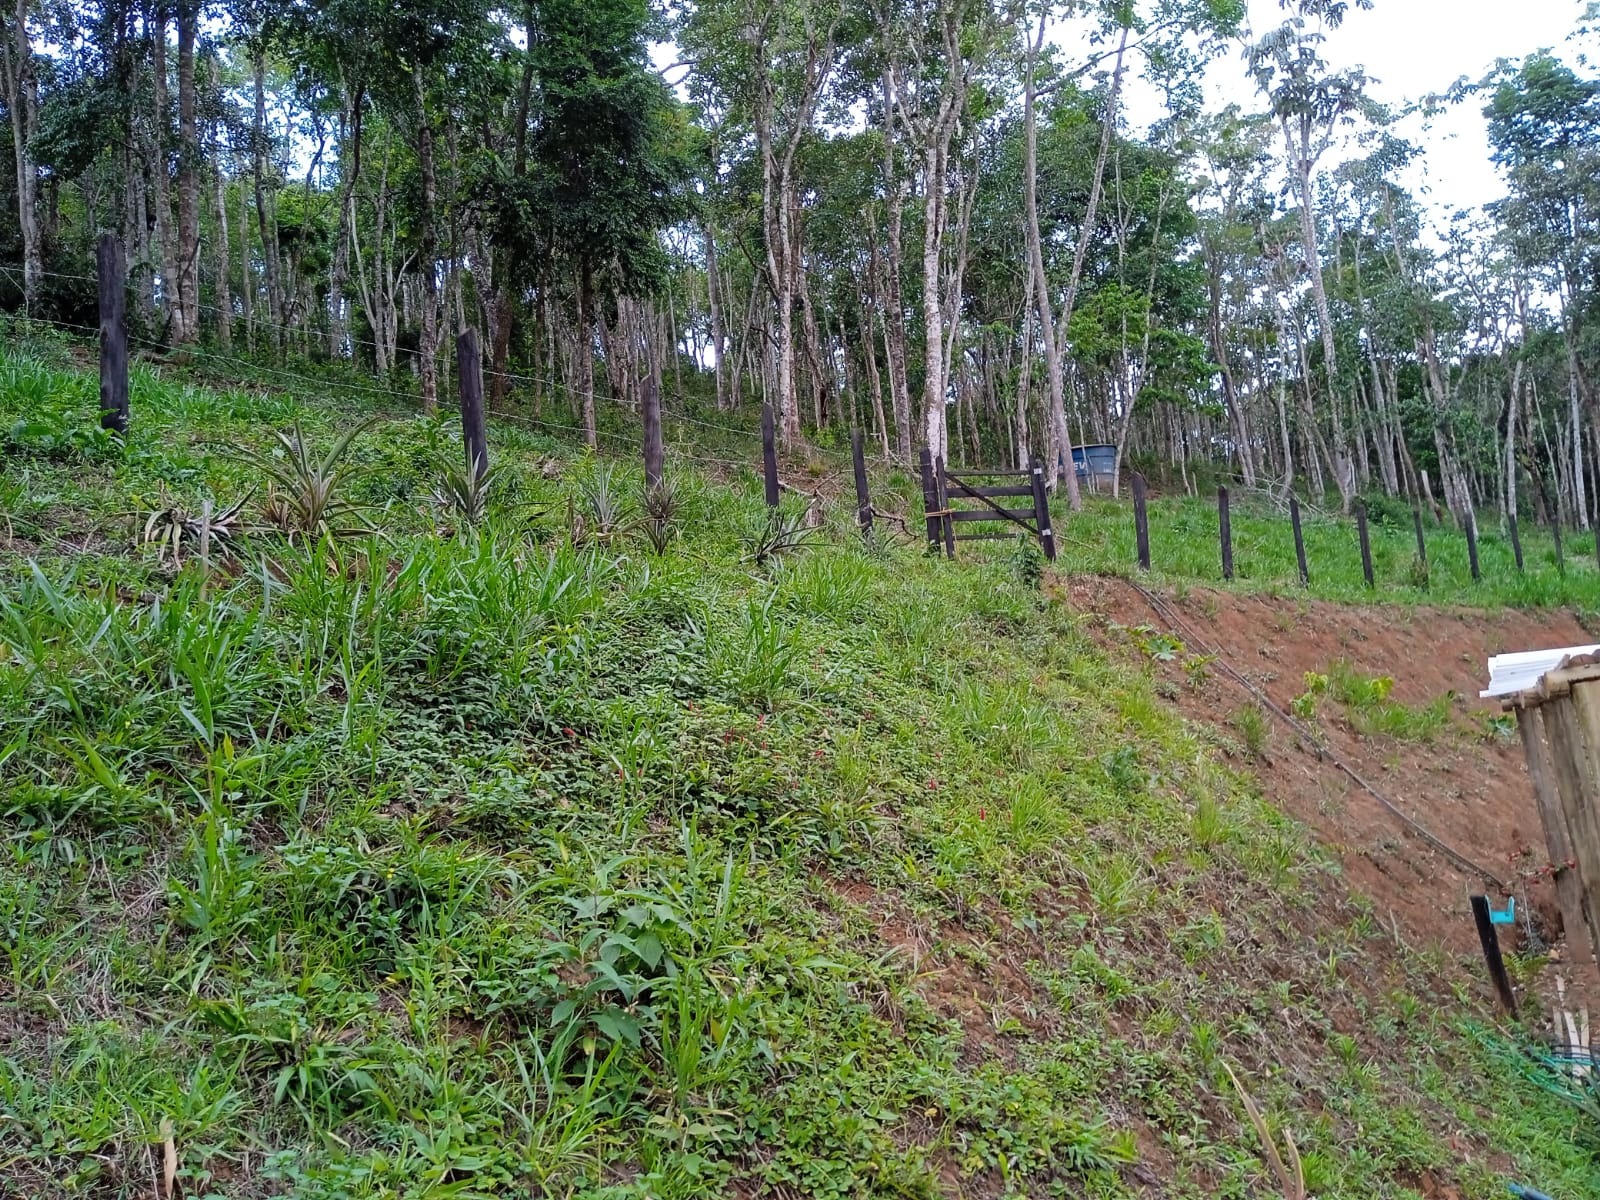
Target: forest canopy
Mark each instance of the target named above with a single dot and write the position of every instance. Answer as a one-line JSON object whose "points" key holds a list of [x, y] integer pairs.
{"points": [[933, 219]]}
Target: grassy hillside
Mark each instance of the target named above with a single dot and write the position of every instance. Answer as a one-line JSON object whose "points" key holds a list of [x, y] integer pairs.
{"points": [[453, 859]]}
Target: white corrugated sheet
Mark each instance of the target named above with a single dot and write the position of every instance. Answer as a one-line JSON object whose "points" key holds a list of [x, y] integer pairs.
{"points": [[1513, 673]]}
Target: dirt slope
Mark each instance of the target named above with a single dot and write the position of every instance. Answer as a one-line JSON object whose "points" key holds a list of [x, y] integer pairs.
{"points": [[1468, 785]]}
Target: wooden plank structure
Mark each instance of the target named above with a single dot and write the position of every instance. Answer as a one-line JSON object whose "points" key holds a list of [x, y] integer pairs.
{"points": [[1558, 717], [984, 498]]}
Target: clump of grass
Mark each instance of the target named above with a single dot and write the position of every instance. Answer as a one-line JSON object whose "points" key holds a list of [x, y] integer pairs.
{"points": [[1372, 712], [1252, 726]]}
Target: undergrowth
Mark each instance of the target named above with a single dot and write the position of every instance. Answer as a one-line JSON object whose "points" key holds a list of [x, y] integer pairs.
{"points": [[552, 855]]}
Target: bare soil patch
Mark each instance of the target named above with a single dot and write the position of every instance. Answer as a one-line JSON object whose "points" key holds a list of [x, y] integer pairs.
{"points": [[1468, 785]]}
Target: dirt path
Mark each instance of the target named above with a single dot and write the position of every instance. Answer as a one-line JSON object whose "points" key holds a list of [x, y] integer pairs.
{"points": [[1467, 785]]}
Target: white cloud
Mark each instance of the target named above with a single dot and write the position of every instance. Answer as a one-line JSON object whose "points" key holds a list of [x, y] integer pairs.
{"points": [[1410, 48]]}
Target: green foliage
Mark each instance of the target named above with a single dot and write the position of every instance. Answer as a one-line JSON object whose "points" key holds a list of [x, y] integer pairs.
{"points": [[464, 492], [774, 535], [503, 865], [304, 496]]}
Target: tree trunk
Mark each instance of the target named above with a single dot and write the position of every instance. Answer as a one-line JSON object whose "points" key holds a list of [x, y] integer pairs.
{"points": [[428, 265], [224, 288], [264, 222], [585, 360], [20, 77], [186, 311]]}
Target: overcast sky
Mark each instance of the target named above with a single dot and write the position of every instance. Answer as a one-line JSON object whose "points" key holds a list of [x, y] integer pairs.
{"points": [[1412, 48]]}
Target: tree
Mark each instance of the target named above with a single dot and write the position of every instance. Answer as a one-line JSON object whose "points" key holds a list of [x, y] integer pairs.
{"points": [[606, 168]]}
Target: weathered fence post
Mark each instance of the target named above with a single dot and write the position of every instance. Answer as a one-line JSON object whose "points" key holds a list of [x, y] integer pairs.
{"points": [[654, 455], [858, 458], [1472, 546], [769, 454], [942, 498], [1422, 545], [1225, 532], [1558, 839], [930, 501], [1366, 543], [1561, 557], [1299, 542], [1041, 508], [1491, 955], [113, 272], [1141, 520], [1516, 543], [469, 370]]}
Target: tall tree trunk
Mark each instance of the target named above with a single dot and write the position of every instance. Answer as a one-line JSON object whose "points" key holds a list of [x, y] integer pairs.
{"points": [[585, 351], [350, 129], [186, 311], [714, 303], [428, 265], [224, 289], [20, 77], [893, 283], [264, 222], [160, 180]]}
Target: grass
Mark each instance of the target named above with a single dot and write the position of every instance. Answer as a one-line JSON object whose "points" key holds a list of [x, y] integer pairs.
{"points": [[482, 859], [1184, 550]]}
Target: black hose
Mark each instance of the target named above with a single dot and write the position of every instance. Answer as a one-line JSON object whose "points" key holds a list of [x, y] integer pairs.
{"points": [[1190, 638]]}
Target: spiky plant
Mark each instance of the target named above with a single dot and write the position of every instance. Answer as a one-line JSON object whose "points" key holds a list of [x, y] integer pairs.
{"points": [[775, 536], [212, 533], [662, 504], [603, 513], [464, 493], [303, 491]]}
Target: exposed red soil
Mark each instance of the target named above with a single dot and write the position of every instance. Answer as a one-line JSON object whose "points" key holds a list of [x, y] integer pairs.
{"points": [[1466, 786]]}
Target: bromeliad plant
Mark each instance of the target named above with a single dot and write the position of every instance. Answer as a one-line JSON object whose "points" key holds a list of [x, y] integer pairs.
{"points": [[303, 492], [211, 533], [602, 514], [662, 504], [465, 493]]}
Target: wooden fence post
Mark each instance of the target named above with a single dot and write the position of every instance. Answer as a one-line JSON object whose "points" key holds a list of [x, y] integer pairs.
{"points": [[858, 458], [1557, 837], [1141, 520], [1366, 543], [1491, 955], [654, 455], [469, 371], [930, 501], [1041, 508], [1516, 543], [1472, 546], [113, 272], [1225, 532], [769, 454], [942, 498], [1299, 542], [1422, 545], [1561, 557]]}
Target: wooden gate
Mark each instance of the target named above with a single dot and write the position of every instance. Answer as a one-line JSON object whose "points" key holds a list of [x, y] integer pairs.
{"points": [[983, 498]]}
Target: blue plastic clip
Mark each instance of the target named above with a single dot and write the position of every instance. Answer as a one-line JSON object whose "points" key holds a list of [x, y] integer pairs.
{"points": [[1508, 917]]}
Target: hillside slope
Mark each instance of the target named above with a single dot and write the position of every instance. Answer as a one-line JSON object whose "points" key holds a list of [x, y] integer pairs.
{"points": [[491, 860]]}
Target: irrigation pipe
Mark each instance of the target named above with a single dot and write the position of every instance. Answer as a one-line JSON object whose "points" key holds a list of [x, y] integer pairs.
{"points": [[1165, 612]]}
